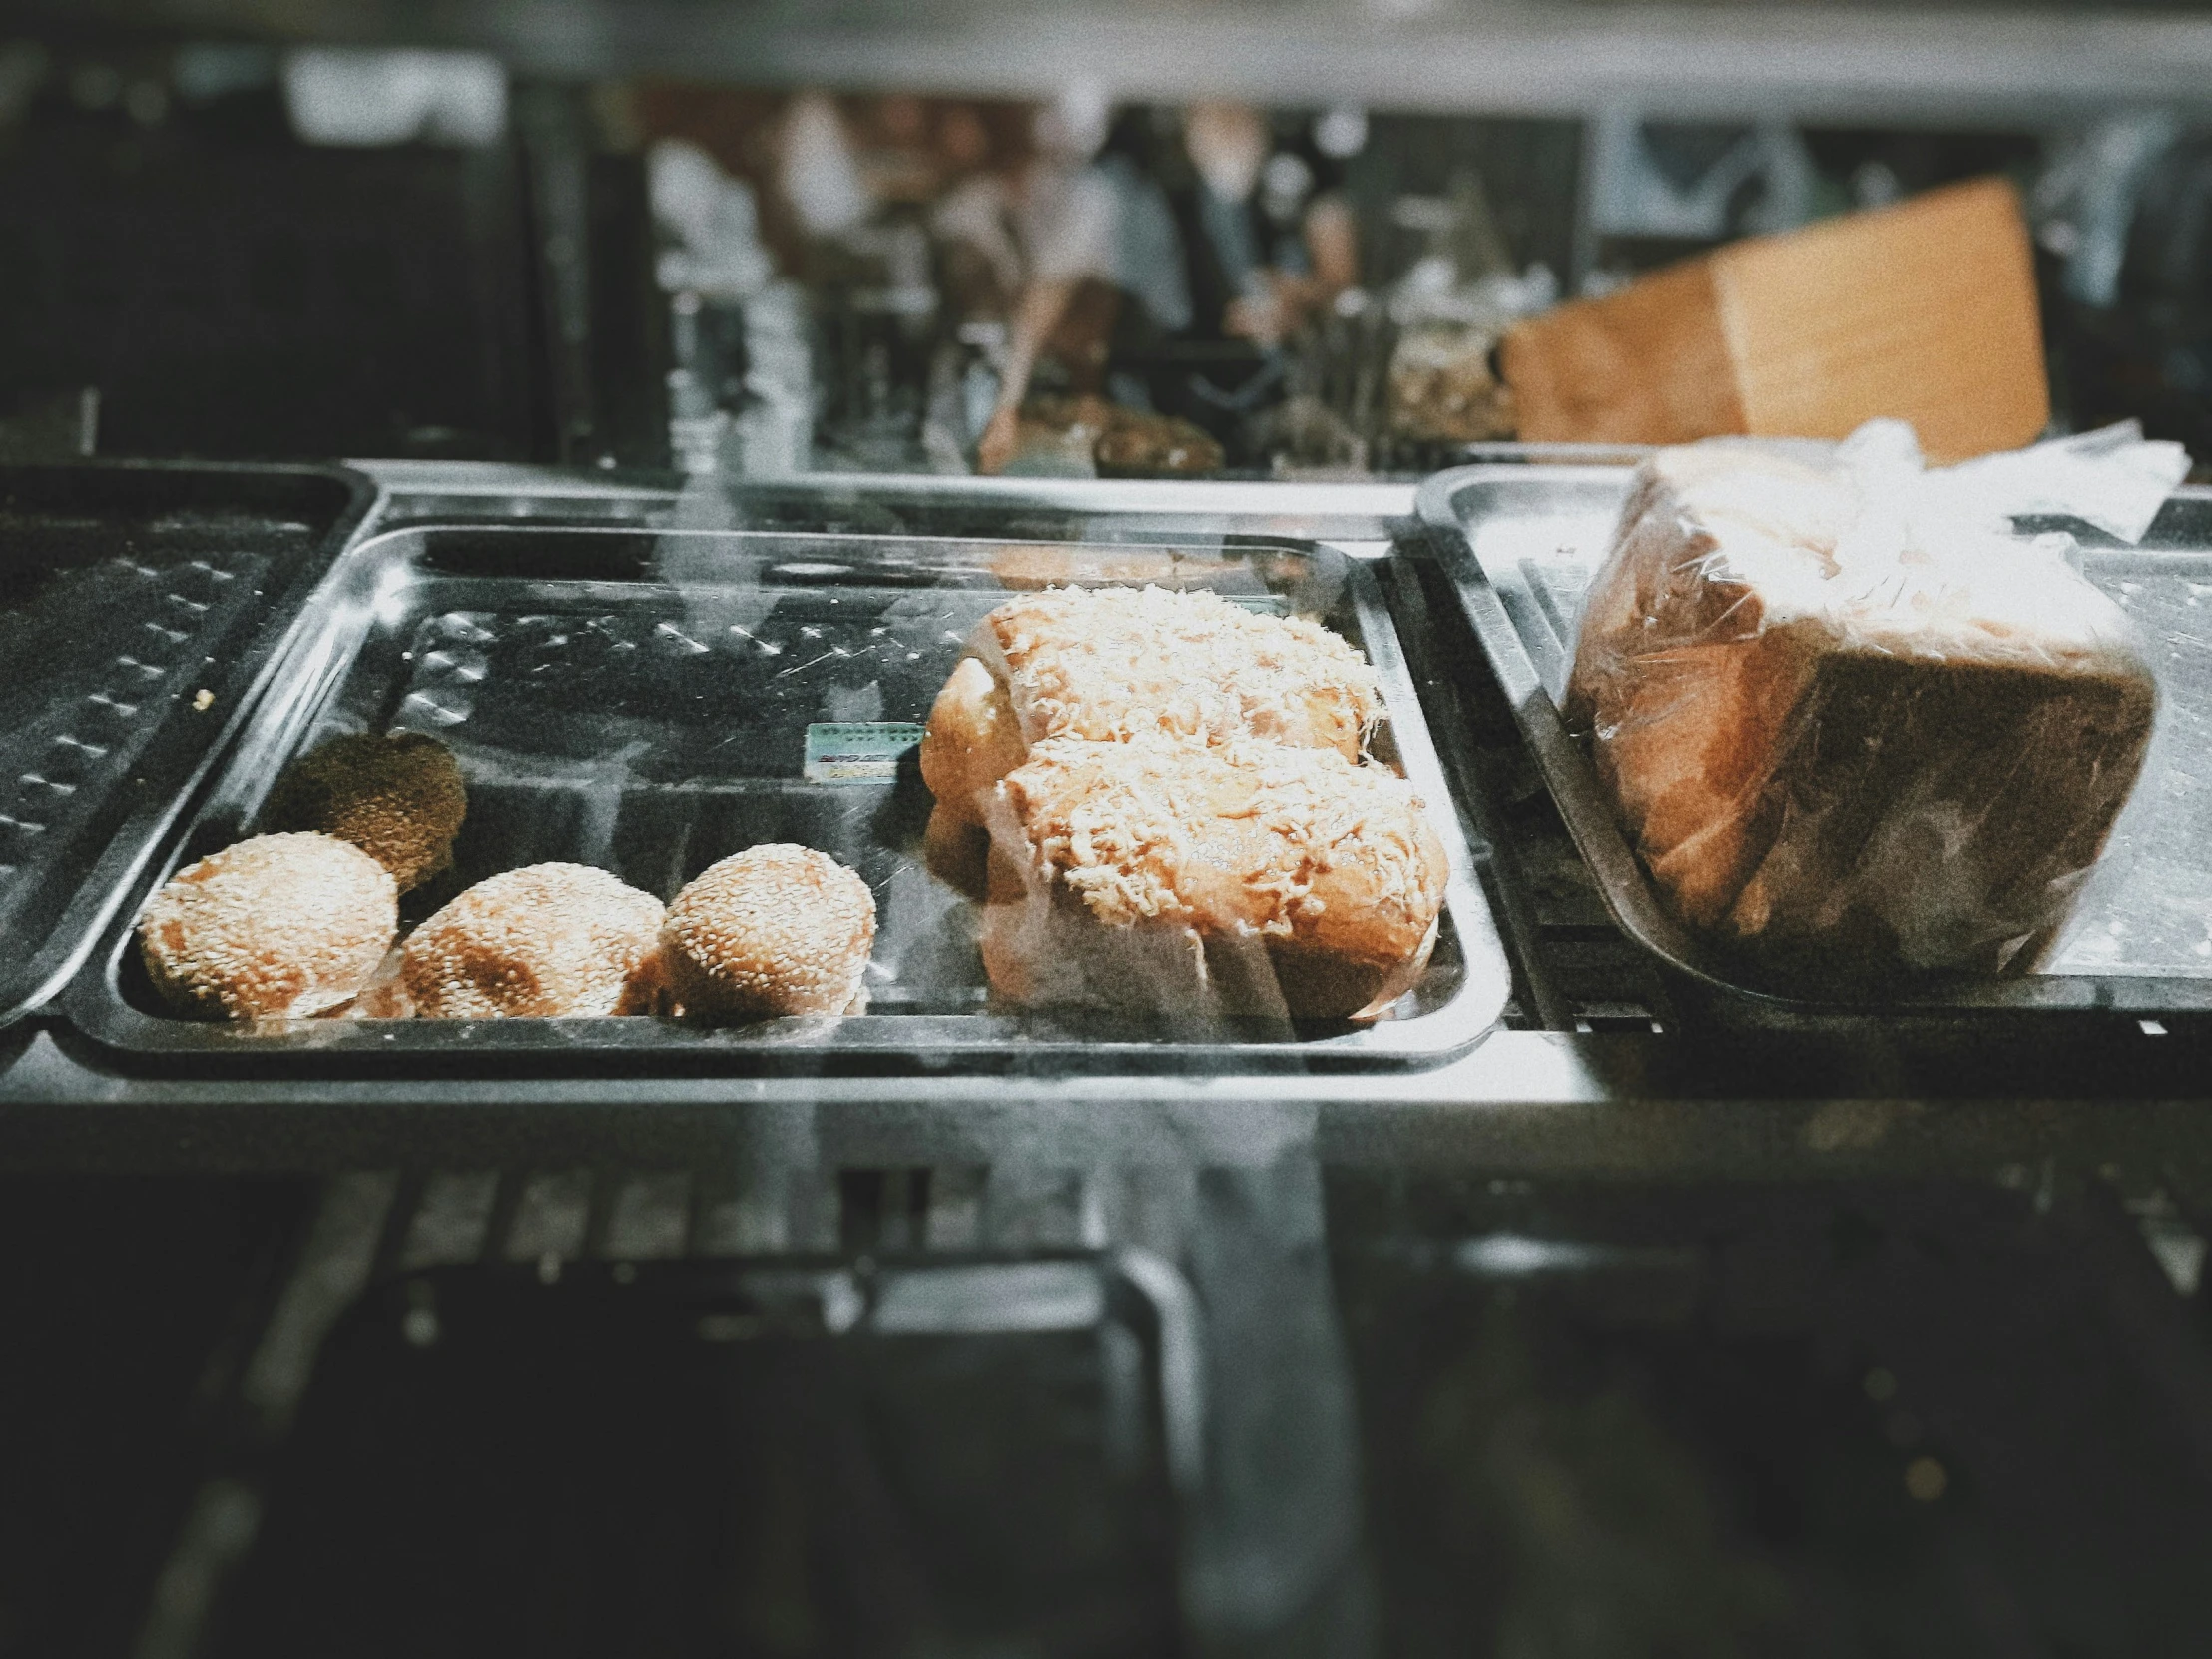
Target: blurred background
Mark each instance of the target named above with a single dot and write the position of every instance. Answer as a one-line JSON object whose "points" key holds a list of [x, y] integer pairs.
{"points": [[1137, 239]]}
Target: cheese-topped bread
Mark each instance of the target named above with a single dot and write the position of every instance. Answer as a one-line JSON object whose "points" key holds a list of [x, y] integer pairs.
{"points": [[1239, 878], [1110, 664]]}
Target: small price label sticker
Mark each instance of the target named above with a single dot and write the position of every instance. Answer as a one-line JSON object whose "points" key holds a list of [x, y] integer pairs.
{"points": [[857, 749]]}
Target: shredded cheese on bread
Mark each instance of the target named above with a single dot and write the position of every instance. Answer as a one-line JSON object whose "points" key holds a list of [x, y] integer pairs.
{"points": [[1116, 663], [1246, 837]]}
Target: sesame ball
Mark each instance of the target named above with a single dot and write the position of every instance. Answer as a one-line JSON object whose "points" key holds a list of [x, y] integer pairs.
{"points": [[276, 928], [772, 930], [397, 796], [550, 942]]}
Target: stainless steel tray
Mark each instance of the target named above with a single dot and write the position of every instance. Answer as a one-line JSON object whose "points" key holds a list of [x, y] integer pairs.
{"points": [[641, 701], [1521, 543]]}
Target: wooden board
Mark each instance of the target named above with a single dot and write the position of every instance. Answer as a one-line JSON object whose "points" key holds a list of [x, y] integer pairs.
{"points": [[1926, 312]]}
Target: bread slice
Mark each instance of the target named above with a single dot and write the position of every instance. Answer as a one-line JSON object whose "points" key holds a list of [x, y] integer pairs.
{"points": [[1846, 741]]}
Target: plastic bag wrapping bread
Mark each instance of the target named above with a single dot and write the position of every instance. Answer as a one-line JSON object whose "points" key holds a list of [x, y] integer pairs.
{"points": [[1849, 723], [1243, 880]]}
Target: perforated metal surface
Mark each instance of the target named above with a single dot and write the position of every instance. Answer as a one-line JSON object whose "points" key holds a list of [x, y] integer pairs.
{"points": [[137, 605]]}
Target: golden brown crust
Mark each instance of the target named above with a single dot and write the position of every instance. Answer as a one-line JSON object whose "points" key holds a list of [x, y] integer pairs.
{"points": [[397, 796], [772, 930], [972, 740], [549, 941], [276, 927], [1115, 663], [1331, 869]]}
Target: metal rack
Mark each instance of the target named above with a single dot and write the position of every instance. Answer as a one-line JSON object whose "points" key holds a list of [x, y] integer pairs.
{"points": [[1855, 63]]}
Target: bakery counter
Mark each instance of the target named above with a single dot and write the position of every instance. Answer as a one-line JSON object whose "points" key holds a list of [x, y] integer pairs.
{"points": [[1612, 1106], [1846, 1323], [1547, 1037]]}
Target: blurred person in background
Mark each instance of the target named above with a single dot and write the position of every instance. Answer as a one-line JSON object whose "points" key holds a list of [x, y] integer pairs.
{"points": [[1227, 237], [978, 255], [1270, 244], [1271, 238], [1096, 248], [818, 165]]}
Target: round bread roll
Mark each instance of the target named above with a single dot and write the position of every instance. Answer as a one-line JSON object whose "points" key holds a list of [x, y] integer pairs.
{"points": [[1239, 878], [772, 930], [276, 928], [397, 796], [549, 941], [1119, 663]]}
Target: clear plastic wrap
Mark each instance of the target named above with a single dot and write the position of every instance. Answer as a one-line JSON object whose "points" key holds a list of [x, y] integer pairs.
{"points": [[1240, 879], [1851, 724]]}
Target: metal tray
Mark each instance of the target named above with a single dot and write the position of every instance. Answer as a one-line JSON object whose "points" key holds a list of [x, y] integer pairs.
{"points": [[642, 702], [138, 604], [1521, 543]]}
